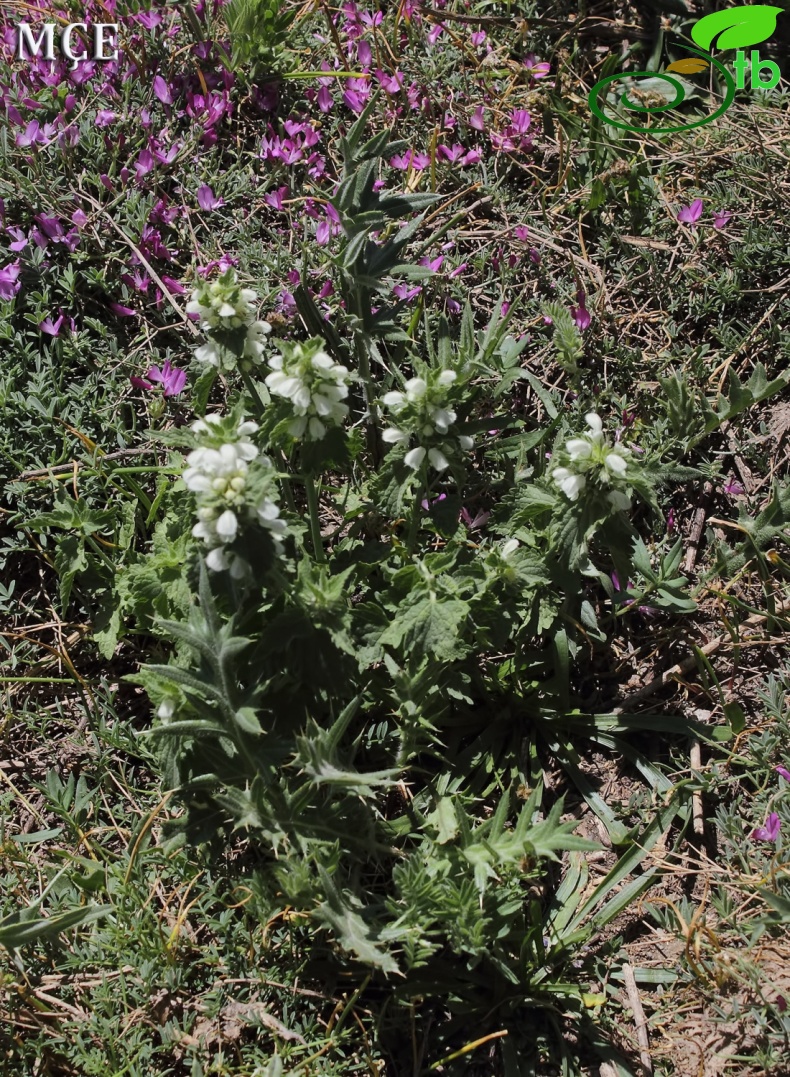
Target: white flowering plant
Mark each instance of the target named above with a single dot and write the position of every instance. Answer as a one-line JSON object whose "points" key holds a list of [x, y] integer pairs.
{"points": [[236, 338], [234, 489], [310, 388], [423, 420], [591, 466]]}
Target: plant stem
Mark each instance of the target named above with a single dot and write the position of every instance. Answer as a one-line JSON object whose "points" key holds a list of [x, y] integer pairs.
{"points": [[414, 523], [252, 390], [315, 523], [362, 305]]}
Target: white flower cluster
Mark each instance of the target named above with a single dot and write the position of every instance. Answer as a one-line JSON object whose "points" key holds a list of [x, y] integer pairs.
{"points": [[592, 457], [219, 474], [422, 410], [225, 307], [314, 384]]}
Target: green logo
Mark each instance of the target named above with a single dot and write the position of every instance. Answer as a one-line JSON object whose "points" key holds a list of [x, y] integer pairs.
{"points": [[660, 91]]}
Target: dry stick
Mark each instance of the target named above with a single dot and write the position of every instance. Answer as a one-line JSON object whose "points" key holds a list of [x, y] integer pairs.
{"points": [[688, 664], [45, 472], [153, 273], [725, 366], [697, 527], [640, 1021], [695, 764]]}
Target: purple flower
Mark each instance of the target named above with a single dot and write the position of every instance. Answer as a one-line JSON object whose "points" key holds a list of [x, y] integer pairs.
{"points": [[581, 316], [428, 505], [783, 772], [405, 161], [50, 226], [176, 287], [207, 199], [405, 293], [733, 488], [163, 91], [9, 283], [120, 310], [433, 264], [20, 239], [30, 135], [474, 522], [535, 68], [691, 214], [51, 328], [478, 37], [275, 198], [477, 119], [104, 117], [169, 377], [769, 832], [451, 153], [720, 220]]}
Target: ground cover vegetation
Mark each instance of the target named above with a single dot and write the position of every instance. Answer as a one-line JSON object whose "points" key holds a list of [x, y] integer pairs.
{"points": [[393, 567]]}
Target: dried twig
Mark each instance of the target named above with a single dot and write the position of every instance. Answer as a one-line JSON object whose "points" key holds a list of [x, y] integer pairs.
{"points": [[640, 1021], [697, 527], [688, 664], [695, 763]]}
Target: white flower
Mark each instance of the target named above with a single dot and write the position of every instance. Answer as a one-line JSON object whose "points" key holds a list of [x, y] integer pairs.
{"points": [[509, 548], [578, 448], [570, 484], [208, 353], [219, 474], [227, 526], [217, 559], [589, 456], [395, 401], [253, 345], [423, 412], [442, 418], [416, 389], [393, 436], [414, 457], [438, 459], [615, 463], [269, 517], [222, 304], [315, 385], [166, 711], [595, 422]]}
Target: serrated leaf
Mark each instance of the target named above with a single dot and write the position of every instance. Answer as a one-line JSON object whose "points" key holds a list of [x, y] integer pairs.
{"points": [[445, 819]]}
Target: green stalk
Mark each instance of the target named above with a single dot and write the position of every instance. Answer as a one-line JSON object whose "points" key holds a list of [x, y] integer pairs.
{"points": [[249, 385], [414, 523], [362, 305], [315, 523]]}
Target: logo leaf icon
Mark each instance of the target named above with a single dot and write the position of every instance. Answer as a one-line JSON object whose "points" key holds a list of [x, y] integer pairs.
{"points": [[736, 27], [692, 66]]}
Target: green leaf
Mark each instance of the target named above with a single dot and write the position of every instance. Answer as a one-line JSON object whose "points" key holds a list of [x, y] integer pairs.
{"points": [[445, 820], [351, 930], [19, 929], [778, 903], [430, 626], [736, 27], [736, 716]]}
